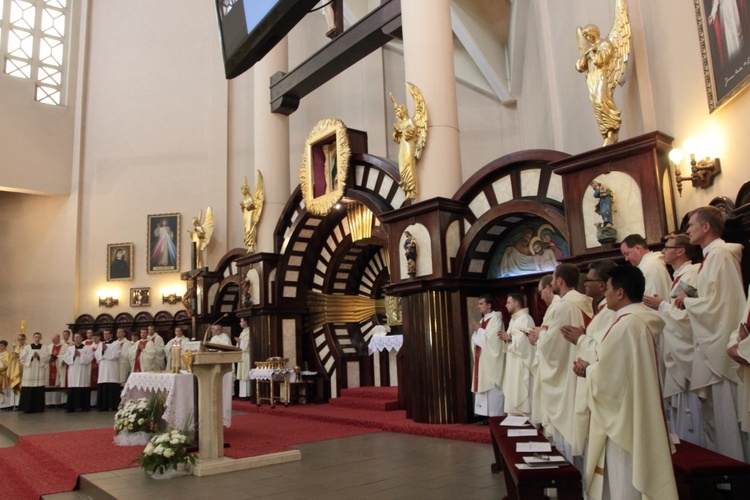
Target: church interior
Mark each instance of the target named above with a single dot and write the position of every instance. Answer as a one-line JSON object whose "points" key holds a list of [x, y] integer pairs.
{"points": [[120, 130]]}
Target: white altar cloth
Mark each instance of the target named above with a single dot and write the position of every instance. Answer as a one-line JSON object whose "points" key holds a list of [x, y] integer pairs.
{"points": [[278, 374], [178, 407], [386, 343]]}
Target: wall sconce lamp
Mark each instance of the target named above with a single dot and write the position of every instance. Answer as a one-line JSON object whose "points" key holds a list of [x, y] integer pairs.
{"points": [[702, 172], [108, 302], [172, 298]]}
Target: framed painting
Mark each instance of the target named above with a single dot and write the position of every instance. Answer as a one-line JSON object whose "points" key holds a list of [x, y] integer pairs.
{"points": [[325, 166], [119, 262], [163, 243], [724, 32], [140, 297]]}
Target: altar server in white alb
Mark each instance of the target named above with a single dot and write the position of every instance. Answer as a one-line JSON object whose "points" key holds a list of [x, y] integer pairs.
{"points": [[243, 367], [35, 359], [489, 361], [684, 418], [218, 336], [519, 355], [147, 355], [739, 350], [124, 344], [587, 341], [557, 356], [107, 355], [629, 452], [78, 358], [714, 314]]}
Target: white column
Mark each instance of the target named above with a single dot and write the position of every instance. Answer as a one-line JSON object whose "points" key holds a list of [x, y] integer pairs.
{"points": [[428, 64], [271, 139]]}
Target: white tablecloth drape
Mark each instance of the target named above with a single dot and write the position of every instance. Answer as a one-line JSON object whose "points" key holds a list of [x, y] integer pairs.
{"points": [[178, 407], [386, 343], [278, 374]]}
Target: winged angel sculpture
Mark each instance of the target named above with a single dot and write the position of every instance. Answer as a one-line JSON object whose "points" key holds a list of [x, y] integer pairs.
{"points": [[252, 207], [604, 62], [411, 135], [201, 234]]}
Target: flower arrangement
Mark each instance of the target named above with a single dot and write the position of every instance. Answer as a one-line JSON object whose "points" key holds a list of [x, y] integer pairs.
{"points": [[135, 416], [165, 451]]}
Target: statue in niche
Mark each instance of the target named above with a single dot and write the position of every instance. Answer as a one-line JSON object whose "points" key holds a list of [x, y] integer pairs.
{"points": [[605, 230], [252, 206], [604, 62], [201, 235], [410, 252], [247, 292], [411, 136]]}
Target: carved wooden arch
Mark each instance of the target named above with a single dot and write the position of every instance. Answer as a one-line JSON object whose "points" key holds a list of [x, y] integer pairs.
{"points": [[328, 246], [227, 260], [486, 212]]}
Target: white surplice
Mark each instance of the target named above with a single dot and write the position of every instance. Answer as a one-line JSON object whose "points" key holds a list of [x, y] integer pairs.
{"points": [[558, 381], [244, 366], [518, 359], [538, 415], [109, 362], [34, 367], [79, 367], [487, 375], [714, 315]]}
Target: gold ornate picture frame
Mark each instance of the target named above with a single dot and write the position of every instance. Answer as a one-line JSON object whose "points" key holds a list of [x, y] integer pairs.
{"points": [[726, 59], [119, 262], [325, 165]]}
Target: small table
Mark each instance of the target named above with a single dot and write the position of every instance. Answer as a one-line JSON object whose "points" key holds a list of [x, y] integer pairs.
{"points": [[524, 484], [283, 375], [179, 404]]}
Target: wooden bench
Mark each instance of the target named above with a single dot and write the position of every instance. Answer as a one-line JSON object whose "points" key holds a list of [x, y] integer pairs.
{"points": [[698, 471], [529, 484]]}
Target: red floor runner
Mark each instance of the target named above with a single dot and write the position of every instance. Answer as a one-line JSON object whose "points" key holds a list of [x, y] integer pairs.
{"points": [[51, 463]]}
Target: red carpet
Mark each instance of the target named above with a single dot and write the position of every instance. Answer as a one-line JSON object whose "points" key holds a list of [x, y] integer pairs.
{"points": [[51, 463], [368, 398]]}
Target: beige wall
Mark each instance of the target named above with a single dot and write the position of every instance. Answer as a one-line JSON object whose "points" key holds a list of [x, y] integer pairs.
{"points": [[162, 131]]}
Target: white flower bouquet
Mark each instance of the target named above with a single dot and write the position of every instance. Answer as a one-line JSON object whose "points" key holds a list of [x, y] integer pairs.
{"points": [[135, 416], [165, 451]]}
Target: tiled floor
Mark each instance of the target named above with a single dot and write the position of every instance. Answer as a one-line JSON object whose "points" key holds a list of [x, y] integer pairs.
{"points": [[381, 465]]}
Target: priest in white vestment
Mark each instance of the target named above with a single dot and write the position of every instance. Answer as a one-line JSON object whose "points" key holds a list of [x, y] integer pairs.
{"points": [[244, 366], [56, 373], [544, 290], [684, 417], [635, 250], [586, 341], [629, 452], [147, 355], [35, 359], [218, 336], [519, 356], [180, 339], [489, 361], [557, 356], [124, 344], [78, 358], [714, 314], [158, 341], [107, 355], [739, 350]]}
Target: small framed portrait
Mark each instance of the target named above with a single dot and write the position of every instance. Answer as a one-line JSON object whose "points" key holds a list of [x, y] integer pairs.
{"points": [[140, 297], [163, 243], [119, 262]]}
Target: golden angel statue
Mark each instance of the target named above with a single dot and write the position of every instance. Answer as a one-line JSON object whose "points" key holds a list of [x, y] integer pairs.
{"points": [[252, 206], [411, 135], [201, 234], [604, 62]]}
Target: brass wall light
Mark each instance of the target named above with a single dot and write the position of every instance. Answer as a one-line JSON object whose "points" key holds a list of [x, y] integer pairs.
{"points": [[108, 302], [702, 172]]}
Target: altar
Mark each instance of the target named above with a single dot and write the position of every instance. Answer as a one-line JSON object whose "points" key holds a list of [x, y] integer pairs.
{"points": [[383, 349], [179, 405]]}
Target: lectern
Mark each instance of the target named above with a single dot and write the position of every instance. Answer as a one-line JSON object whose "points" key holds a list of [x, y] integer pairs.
{"points": [[209, 368]]}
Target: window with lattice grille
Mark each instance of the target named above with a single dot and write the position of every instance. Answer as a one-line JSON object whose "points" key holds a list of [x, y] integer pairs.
{"points": [[34, 43]]}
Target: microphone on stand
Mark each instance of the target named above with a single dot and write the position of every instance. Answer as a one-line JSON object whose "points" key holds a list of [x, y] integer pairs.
{"points": [[205, 335]]}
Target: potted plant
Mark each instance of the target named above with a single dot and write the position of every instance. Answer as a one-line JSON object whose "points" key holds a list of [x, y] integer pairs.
{"points": [[166, 455], [134, 422]]}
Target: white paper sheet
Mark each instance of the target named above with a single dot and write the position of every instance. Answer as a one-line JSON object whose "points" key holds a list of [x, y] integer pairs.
{"points": [[533, 447], [514, 421], [522, 432]]}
